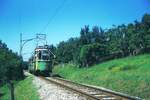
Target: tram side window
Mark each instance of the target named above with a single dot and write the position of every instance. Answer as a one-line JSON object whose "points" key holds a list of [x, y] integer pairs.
{"points": [[39, 55]]}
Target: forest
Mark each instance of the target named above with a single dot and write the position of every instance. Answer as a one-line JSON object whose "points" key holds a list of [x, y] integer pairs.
{"points": [[97, 45]]}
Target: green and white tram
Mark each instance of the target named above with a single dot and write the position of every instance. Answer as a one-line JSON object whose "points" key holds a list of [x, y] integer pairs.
{"points": [[40, 62]]}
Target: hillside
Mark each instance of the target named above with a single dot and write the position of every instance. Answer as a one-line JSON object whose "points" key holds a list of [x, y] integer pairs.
{"points": [[129, 75]]}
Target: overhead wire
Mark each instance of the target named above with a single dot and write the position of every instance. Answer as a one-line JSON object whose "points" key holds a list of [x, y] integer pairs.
{"points": [[53, 16]]}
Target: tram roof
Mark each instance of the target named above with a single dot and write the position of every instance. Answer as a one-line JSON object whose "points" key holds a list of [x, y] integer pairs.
{"points": [[42, 47]]}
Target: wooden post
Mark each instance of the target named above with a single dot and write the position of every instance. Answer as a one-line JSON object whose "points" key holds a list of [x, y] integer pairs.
{"points": [[11, 88]]}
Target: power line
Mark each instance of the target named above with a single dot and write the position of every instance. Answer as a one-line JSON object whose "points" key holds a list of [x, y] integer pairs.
{"points": [[54, 14]]}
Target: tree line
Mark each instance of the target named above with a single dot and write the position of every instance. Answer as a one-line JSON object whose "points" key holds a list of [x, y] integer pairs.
{"points": [[10, 64], [96, 45]]}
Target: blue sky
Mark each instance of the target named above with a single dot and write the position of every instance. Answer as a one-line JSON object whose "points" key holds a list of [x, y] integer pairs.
{"points": [[30, 17]]}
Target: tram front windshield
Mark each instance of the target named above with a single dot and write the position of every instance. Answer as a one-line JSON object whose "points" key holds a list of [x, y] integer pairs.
{"points": [[44, 55]]}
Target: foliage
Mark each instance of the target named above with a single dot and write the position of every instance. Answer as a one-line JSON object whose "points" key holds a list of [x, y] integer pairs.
{"points": [[92, 45], [91, 53], [129, 75], [66, 51], [9, 64]]}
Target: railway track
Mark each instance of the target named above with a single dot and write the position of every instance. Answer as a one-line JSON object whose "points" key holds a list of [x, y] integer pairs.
{"points": [[90, 92]]}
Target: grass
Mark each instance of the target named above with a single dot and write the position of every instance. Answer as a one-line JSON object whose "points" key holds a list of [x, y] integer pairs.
{"points": [[130, 75], [5, 93], [24, 90]]}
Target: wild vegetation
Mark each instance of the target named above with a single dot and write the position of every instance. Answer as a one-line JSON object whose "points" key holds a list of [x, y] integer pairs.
{"points": [[10, 65], [97, 45], [11, 70], [24, 90], [129, 43], [129, 75]]}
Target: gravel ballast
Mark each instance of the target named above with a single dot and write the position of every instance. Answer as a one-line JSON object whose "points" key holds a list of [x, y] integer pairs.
{"points": [[50, 91]]}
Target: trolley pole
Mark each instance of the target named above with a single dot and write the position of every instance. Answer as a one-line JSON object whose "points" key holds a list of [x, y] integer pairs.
{"points": [[24, 41]]}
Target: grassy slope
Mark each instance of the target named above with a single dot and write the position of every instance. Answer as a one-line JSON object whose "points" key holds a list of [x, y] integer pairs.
{"points": [[24, 90], [129, 75]]}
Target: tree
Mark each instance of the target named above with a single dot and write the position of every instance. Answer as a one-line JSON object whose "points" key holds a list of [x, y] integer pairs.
{"points": [[9, 64], [90, 54], [145, 28], [118, 41], [84, 35]]}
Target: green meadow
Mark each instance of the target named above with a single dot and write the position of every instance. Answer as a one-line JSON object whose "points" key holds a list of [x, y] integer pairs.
{"points": [[130, 75]]}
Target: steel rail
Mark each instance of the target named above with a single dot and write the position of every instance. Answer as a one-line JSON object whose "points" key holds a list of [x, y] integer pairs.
{"points": [[105, 91], [88, 96]]}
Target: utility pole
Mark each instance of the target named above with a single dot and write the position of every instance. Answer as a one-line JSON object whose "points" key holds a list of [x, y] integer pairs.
{"points": [[20, 53], [10, 82]]}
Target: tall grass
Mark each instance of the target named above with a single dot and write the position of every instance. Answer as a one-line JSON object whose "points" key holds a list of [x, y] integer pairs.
{"points": [[24, 90], [130, 75]]}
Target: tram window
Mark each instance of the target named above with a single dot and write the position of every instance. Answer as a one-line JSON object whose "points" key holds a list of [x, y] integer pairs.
{"points": [[39, 56], [45, 52], [45, 55]]}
